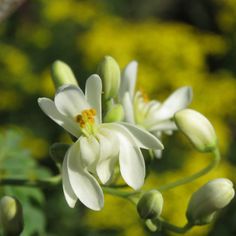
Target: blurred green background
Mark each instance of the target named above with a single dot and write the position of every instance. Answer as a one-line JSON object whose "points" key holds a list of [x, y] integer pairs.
{"points": [[176, 42]]}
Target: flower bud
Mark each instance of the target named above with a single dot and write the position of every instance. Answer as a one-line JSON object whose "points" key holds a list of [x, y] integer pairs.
{"points": [[62, 74], [11, 216], [197, 128], [109, 72], [150, 205], [114, 114], [207, 200]]}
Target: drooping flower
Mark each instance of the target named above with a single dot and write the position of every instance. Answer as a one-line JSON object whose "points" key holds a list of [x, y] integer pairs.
{"points": [[99, 147], [154, 116]]}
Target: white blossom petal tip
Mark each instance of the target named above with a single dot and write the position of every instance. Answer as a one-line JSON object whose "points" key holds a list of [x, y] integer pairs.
{"points": [[84, 185], [144, 139]]}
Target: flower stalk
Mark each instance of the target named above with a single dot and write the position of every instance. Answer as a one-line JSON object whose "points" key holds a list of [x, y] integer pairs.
{"points": [[191, 178]]}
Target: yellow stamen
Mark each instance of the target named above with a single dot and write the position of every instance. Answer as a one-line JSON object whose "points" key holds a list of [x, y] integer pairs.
{"points": [[145, 96], [87, 116]]}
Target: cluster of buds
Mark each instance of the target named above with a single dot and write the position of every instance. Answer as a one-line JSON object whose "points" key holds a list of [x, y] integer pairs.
{"points": [[121, 103]]}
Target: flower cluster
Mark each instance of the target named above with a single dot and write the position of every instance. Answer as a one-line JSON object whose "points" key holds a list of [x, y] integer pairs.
{"points": [[99, 146], [110, 124]]}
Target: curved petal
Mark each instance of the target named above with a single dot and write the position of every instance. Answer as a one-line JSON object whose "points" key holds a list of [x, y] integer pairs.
{"points": [[143, 137], [70, 101], [164, 126], [178, 100], [84, 185], [49, 108], [128, 108], [132, 166], [89, 150], [93, 91], [128, 79], [108, 155], [136, 136], [67, 189]]}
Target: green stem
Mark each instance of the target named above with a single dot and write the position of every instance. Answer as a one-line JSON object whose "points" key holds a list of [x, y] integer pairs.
{"points": [[171, 227], [53, 181], [116, 192], [191, 178]]}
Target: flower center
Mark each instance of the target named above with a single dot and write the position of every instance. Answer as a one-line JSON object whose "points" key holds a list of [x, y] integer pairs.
{"points": [[86, 121]]}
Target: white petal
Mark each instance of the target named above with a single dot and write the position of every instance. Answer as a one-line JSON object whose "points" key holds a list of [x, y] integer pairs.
{"points": [[136, 136], [132, 166], [108, 156], [49, 108], [70, 101], [128, 108], [93, 91], [164, 126], [84, 185], [143, 137], [89, 150], [128, 79], [67, 189], [178, 100]]}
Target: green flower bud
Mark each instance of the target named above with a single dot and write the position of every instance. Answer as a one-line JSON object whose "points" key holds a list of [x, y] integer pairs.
{"points": [[57, 152], [62, 74], [150, 205], [207, 200], [11, 216], [197, 128], [114, 114], [109, 72]]}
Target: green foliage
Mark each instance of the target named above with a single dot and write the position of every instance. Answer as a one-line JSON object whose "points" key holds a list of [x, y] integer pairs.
{"points": [[16, 162]]}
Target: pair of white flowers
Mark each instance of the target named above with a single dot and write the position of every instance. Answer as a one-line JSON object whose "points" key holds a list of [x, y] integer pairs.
{"points": [[91, 160]]}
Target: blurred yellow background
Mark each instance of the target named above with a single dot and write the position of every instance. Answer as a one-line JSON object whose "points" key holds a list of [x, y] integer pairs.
{"points": [[171, 53]]}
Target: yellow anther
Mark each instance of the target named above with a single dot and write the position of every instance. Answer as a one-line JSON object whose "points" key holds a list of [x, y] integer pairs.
{"points": [[86, 116], [78, 118], [93, 111]]}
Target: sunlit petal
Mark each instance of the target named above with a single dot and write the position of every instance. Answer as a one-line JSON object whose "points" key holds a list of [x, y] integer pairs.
{"points": [[67, 189], [108, 155], [164, 126], [128, 108], [136, 136], [51, 111], [132, 166], [84, 185], [143, 138], [70, 101], [128, 79], [178, 100], [89, 150]]}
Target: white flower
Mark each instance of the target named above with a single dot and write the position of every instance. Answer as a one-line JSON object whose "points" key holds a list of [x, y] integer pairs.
{"points": [[154, 116], [99, 146]]}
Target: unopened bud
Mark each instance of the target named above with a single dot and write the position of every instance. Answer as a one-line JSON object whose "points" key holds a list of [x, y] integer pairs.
{"points": [[114, 114], [207, 200], [150, 205], [11, 216], [197, 128], [109, 72], [62, 74]]}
